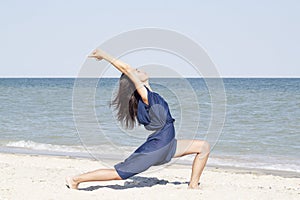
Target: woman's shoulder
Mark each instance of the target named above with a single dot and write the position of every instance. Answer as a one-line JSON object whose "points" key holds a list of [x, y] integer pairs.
{"points": [[152, 92], [154, 97]]}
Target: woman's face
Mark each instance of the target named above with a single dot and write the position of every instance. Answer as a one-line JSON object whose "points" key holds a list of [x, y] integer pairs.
{"points": [[143, 76]]}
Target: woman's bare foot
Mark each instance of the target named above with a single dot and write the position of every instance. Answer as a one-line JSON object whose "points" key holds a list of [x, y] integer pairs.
{"points": [[194, 186], [70, 183]]}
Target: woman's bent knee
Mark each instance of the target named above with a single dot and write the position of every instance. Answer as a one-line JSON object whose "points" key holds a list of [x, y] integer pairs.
{"points": [[205, 147], [185, 147]]}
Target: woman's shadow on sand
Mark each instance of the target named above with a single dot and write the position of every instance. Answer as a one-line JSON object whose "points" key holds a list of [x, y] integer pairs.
{"points": [[135, 182]]}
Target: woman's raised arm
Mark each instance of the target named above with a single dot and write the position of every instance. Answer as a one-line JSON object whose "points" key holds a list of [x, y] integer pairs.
{"points": [[99, 55], [124, 68]]}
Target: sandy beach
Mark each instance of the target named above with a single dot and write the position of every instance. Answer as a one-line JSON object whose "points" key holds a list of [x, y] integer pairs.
{"points": [[42, 177]]}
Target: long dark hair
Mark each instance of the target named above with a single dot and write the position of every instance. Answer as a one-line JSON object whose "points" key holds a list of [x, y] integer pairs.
{"points": [[126, 102]]}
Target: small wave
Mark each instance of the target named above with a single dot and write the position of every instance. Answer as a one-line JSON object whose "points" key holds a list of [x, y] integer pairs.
{"points": [[44, 146], [103, 149]]}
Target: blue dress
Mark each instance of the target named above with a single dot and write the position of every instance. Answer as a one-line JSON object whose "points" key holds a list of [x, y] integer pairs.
{"points": [[160, 146]]}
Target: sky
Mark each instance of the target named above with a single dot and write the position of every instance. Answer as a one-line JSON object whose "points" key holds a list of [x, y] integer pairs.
{"points": [[257, 38]]}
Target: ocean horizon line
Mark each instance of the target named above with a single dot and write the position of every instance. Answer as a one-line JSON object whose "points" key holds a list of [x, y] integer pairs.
{"points": [[169, 77]]}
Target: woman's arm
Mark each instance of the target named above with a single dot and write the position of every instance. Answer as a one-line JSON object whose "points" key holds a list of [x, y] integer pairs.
{"points": [[124, 68], [99, 54]]}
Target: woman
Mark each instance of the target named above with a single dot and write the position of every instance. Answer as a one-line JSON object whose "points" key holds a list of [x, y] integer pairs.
{"points": [[136, 102]]}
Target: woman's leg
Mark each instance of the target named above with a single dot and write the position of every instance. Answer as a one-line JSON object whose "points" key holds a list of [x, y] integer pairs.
{"points": [[97, 175], [201, 149]]}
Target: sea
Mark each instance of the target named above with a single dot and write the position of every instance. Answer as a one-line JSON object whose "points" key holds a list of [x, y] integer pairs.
{"points": [[258, 129]]}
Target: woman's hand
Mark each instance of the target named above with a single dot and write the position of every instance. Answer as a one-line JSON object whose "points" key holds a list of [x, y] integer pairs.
{"points": [[120, 65], [97, 53]]}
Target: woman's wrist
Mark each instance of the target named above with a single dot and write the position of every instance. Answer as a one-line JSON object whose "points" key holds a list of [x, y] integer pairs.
{"points": [[106, 56]]}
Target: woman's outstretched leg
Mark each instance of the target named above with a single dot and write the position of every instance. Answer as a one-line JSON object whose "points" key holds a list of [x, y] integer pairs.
{"points": [[201, 149], [97, 175]]}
